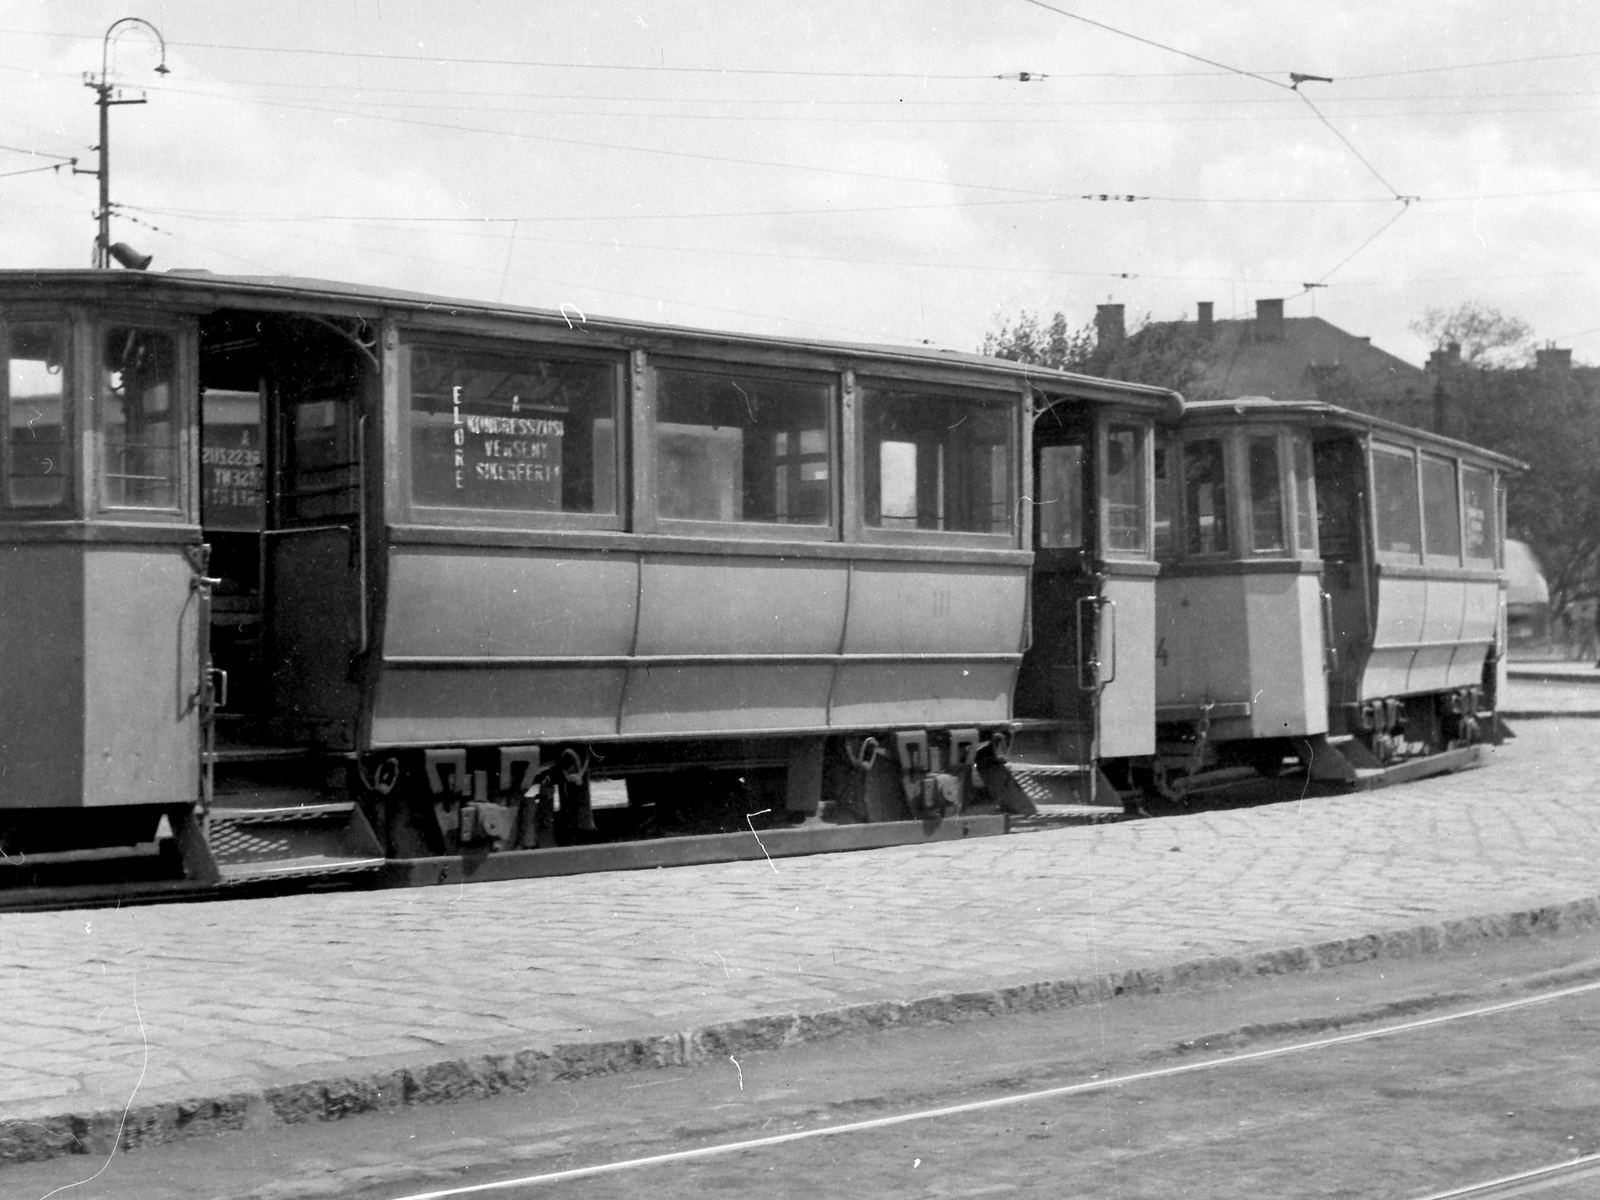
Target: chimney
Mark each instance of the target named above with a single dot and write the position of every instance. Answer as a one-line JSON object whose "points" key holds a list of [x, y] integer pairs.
{"points": [[1108, 326], [1548, 358], [1205, 318], [1269, 320], [1440, 361]]}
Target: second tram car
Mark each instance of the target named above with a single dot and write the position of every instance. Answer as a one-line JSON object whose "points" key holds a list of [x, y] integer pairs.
{"points": [[303, 578], [1331, 592]]}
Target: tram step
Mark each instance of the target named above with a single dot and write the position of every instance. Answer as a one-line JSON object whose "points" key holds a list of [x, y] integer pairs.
{"points": [[1053, 784], [253, 845]]}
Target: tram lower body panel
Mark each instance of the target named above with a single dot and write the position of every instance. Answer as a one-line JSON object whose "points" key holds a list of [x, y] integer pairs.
{"points": [[1242, 651], [487, 646], [99, 654]]}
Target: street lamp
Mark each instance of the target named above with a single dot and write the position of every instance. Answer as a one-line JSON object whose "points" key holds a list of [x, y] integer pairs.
{"points": [[103, 90]]}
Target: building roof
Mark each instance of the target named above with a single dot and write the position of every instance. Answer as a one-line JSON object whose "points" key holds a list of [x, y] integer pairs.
{"points": [[1299, 362]]}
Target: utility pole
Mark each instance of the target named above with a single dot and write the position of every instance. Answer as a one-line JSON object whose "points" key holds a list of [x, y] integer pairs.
{"points": [[104, 91]]}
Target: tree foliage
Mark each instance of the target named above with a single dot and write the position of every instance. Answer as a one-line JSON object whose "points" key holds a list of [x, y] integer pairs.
{"points": [[1487, 337], [1550, 420], [1167, 354]]}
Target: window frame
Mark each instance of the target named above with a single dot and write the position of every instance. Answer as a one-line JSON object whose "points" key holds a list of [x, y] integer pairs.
{"points": [[421, 512], [186, 389], [1308, 548], [1453, 463], [1247, 500], [1397, 450], [1012, 399], [72, 394], [1496, 532], [1231, 548], [1145, 431], [647, 423]]}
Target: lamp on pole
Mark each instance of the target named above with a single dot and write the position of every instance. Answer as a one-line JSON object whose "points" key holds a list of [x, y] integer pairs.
{"points": [[103, 99]]}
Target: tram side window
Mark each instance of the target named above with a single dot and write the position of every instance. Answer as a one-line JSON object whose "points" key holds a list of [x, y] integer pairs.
{"points": [[742, 447], [1441, 509], [937, 462], [1164, 545], [1477, 493], [1060, 508], [1305, 495], [1266, 495], [35, 457], [1394, 485], [512, 431], [1124, 490], [1205, 497], [137, 418]]}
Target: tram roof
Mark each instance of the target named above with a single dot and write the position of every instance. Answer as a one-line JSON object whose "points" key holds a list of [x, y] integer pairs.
{"points": [[1311, 412], [200, 288]]}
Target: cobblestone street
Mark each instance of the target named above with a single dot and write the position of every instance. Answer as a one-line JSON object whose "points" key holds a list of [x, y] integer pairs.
{"points": [[186, 1002]]}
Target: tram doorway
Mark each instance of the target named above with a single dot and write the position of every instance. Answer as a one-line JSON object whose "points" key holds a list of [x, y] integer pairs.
{"points": [[283, 415], [1058, 681], [1341, 536]]}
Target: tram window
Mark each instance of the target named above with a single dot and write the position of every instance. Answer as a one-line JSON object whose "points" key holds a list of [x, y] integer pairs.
{"points": [[1305, 496], [1394, 484], [1266, 495], [1060, 510], [231, 493], [1205, 496], [35, 458], [936, 462], [1441, 510], [1124, 490], [512, 431], [137, 418], [1477, 493], [1164, 545], [742, 448]]}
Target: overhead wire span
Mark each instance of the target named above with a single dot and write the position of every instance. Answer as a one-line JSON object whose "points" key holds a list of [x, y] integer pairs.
{"points": [[1382, 229], [1200, 58]]}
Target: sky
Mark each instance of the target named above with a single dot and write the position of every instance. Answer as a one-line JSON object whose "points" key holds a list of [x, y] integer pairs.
{"points": [[902, 172]]}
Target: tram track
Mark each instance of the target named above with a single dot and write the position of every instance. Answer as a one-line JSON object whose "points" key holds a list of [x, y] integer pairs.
{"points": [[1524, 1183], [1534, 1179]]}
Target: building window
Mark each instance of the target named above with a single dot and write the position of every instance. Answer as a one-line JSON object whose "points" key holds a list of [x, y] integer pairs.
{"points": [[512, 431], [138, 419], [937, 462], [1394, 485], [742, 447], [1266, 495], [35, 396], [1441, 509], [1205, 497]]}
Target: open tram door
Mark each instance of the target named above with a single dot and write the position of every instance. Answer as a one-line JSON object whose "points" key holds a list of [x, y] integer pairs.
{"points": [[285, 404], [1086, 685]]}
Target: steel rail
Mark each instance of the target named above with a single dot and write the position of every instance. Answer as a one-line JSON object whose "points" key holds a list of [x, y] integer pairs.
{"points": [[997, 1102], [1524, 1183]]}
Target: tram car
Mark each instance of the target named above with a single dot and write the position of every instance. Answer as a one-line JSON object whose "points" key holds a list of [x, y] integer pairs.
{"points": [[304, 579], [1331, 596]]}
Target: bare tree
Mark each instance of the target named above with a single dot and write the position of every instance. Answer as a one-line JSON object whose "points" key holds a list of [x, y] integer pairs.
{"points": [[1486, 336]]}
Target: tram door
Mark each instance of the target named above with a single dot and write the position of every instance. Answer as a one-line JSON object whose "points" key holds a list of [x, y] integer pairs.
{"points": [[282, 497], [1059, 678], [1341, 536]]}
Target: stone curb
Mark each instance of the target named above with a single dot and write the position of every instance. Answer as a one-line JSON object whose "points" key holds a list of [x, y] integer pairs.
{"points": [[480, 1076]]}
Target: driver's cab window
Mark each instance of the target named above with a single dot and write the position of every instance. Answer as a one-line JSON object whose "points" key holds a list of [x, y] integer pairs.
{"points": [[1124, 490], [1059, 514]]}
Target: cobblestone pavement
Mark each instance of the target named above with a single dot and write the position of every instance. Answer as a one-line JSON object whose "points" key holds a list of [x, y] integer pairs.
{"points": [[194, 1000]]}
